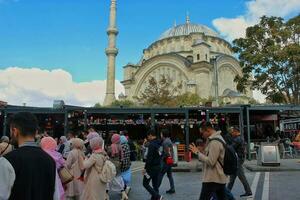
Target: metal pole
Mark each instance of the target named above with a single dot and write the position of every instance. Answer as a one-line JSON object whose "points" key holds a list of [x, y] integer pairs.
{"points": [[66, 123], [187, 135], [216, 80], [207, 115], [241, 122], [85, 119], [248, 132], [5, 124], [152, 119]]}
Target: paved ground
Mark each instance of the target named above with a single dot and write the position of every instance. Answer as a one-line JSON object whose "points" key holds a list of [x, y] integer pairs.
{"points": [[268, 186]]}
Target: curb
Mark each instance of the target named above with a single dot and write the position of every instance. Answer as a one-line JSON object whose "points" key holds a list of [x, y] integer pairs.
{"points": [[270, 169]]}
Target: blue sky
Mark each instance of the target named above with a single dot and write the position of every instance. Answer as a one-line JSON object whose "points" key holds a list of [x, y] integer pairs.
{"points": [[71, 34]]}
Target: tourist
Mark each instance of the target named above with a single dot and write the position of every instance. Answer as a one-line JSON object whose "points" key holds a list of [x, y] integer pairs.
{"points": [[214, 179], [63, 145], [94, 189], [35, 170], [238, 144], [133, 151], [7, 179], [48, 144], [152, 166], [167, 146], [75, 187], [5, 146], [121, 162], [125, 163]]}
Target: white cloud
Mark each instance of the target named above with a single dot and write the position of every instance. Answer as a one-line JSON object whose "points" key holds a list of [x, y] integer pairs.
{"points": [[37, 87], [232, 28]]}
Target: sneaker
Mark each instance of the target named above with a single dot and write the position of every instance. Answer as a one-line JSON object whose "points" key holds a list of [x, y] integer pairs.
{"points": [[171, 191], [247, 194]]}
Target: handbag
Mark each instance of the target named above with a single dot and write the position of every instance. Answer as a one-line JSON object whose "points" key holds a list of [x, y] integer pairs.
{"points": [[65, 176], [169, 161]]}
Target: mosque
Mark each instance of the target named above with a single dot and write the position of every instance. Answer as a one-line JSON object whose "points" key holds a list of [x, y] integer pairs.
{"points": [[191, 54]]}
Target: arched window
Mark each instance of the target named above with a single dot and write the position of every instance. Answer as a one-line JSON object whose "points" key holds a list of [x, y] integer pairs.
{"points": [[198, 56]]}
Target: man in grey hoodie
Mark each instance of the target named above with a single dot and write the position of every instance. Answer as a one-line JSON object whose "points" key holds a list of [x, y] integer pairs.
{"points": [[167, 151]]}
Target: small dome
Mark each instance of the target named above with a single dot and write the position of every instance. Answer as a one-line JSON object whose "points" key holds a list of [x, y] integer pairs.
{"points": [[231, 93], [186, 29]]}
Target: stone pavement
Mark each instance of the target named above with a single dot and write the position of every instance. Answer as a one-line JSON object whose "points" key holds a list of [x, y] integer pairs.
{"points": [[196, 166]]}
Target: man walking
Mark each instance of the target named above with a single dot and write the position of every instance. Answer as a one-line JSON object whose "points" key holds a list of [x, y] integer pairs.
{"points": [[34, 169], [214, 179], [152, 166], [167, 152], [239, 146]]}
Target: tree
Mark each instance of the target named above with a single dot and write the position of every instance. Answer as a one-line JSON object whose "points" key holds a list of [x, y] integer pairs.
{"points": [[124, 103], [270, 53], [97, 105], [188, 99], [162, 92]]}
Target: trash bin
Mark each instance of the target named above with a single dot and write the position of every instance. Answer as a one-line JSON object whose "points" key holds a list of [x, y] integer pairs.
{"points": [[268, 155]]}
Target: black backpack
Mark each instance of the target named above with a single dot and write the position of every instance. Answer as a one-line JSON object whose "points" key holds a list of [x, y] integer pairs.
{"points": [[230, 166]]}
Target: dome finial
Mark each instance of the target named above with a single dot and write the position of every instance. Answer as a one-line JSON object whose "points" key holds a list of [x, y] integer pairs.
{"points": [[175, 23], [188, 18]]}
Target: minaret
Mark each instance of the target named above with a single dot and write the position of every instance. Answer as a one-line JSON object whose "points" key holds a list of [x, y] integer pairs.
{"points": [[188, 20], [111, 52]]}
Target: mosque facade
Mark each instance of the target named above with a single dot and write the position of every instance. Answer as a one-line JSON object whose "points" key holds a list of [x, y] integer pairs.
{"points": [[193, 55]]}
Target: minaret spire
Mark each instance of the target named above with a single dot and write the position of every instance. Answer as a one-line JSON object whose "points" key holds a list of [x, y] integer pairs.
{"points": [[111, 52], [188, 18]]}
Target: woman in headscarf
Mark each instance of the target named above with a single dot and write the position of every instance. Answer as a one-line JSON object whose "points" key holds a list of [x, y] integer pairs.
{"points": [[115, 153], [75, 187], [125, 163], [5, 146], [48, 144], [94, 189]]}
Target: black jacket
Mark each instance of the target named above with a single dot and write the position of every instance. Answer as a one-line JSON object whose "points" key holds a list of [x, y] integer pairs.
{"points": [[35, 174], [153, 160], [238, 144]]}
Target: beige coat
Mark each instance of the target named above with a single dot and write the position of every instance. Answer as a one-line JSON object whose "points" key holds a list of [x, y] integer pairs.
{"points": [[94, 188], [75, 187], [212, 169], [5, 148]]}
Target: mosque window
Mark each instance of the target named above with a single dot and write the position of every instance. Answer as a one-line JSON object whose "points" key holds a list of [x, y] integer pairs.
{"points": [[205, 56], [198, 56]]}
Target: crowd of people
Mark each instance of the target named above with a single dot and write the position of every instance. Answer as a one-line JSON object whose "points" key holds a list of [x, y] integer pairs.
{"points": [[34, 167], [31, 165]]}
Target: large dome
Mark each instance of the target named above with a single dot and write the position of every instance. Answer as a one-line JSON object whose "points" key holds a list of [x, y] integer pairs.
{"points": [[186, 29]]}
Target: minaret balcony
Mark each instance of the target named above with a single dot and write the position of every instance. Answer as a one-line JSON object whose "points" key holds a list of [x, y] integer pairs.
{"points": [[112, 30], [111, 51]]}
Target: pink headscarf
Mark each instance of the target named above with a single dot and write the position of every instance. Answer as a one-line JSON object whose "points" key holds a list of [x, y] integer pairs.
{"points": [[92, 135], [96, 144], [115, 146], [48, 144]]}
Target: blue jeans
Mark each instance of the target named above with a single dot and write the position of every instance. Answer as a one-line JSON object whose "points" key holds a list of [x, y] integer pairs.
{"points": [[166, 169]]}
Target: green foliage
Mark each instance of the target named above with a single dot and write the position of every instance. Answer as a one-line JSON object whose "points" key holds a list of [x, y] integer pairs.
{"points": [[188, 99], [124, 103], [97, 105], [270, 53], [162, 92], [252, 101]]}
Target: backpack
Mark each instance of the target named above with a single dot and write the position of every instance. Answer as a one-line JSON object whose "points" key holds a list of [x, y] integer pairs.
{"points": [[108, 172], [230, 166]]}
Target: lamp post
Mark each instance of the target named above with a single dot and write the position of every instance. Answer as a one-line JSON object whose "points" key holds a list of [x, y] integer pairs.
{"points": [[216, 78]]}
